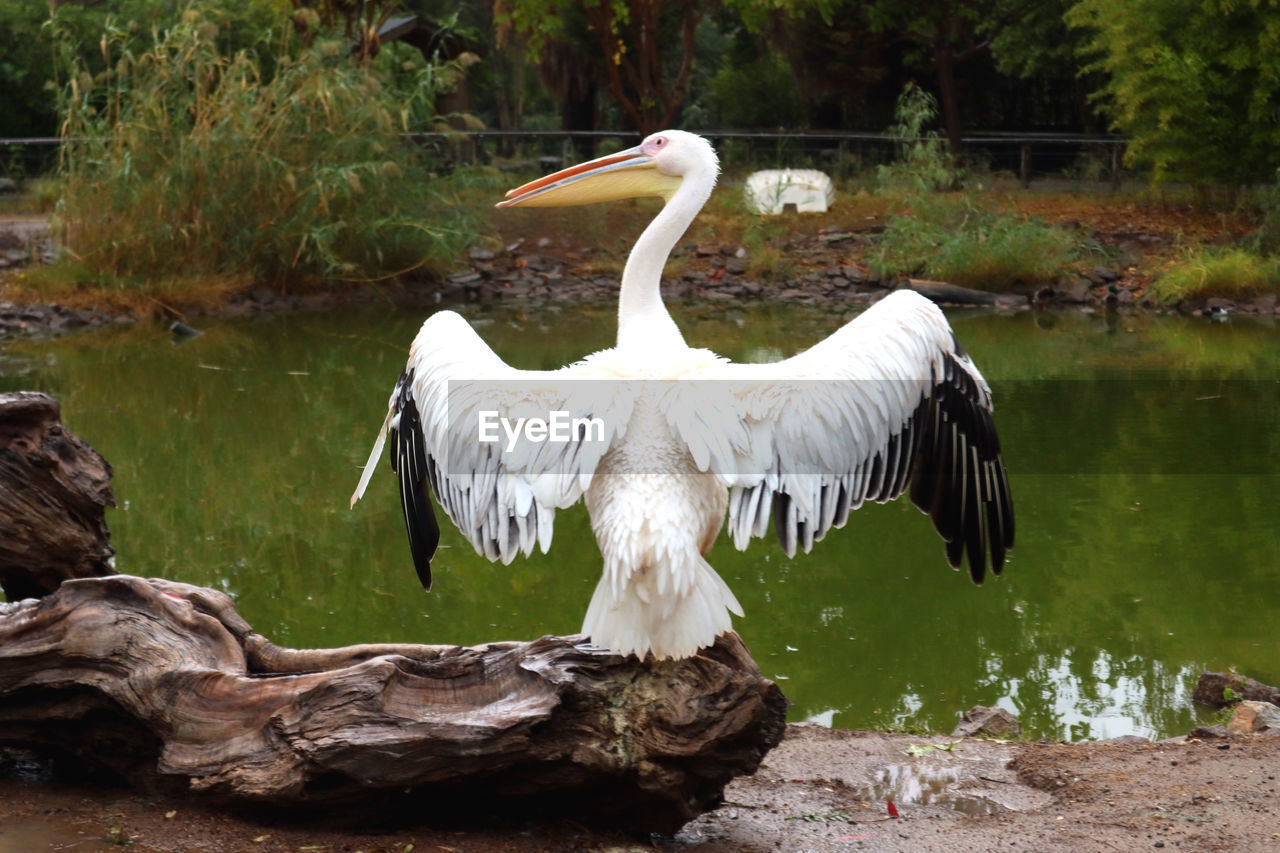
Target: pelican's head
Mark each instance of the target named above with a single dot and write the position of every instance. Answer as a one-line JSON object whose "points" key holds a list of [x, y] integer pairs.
{"points": [[655, 167]]}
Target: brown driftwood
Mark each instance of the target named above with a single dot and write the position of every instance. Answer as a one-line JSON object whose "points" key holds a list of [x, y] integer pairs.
{"points": [[53, 492], [953, 294], [162, 682]]}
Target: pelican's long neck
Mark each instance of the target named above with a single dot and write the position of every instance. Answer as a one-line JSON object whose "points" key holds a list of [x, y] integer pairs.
{"points": [[643, 321]]}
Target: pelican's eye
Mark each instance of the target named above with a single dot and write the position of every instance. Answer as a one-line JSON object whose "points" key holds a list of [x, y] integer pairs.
{"points": [[654, 144]]}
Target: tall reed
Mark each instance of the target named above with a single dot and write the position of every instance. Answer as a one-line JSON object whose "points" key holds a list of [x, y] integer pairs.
{"points": [[186, 165]]}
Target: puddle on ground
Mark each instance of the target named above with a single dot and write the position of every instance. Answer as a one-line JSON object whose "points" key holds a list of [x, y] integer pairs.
{"points": [[30, 835], [25, 774], [921, 784]]}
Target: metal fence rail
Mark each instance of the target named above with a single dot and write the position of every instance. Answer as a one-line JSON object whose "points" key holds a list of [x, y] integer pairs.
{"points": [[1026, 155]]}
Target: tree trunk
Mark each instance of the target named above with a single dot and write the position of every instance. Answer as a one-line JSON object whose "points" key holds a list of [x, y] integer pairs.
{"points": [[164, 685], [946, 74], [167, 686], [54, 490]]}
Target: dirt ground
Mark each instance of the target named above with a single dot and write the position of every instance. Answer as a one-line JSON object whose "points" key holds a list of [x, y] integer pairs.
{"points": [[548, 256], [820, 790]]}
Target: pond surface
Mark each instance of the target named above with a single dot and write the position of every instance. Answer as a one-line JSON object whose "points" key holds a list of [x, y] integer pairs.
{"points": [[1143, 454]]}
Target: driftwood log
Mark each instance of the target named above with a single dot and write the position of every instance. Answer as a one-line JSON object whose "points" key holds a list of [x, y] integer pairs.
{"points": [[162, 682], [165, 686], [54, 490], [953, 294]]}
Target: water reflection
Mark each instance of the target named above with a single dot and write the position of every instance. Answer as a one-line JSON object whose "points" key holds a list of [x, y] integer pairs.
{"points": [[923, 783], [1141, 450]]}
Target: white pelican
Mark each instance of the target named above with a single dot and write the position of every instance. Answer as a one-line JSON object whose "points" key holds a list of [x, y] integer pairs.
{"points": [[887, 402]]}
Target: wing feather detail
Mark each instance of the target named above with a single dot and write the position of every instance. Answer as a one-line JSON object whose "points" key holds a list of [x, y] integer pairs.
{"points": [[890, 403], [502, 500]]}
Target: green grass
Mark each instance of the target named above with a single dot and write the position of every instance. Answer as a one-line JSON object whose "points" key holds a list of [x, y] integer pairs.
{"points": [[37, 197], [954, 238], [1203, 273]]}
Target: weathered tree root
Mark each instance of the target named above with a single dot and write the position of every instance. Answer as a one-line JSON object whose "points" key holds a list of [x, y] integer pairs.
{"points": [[164, 683], [53, 492]]}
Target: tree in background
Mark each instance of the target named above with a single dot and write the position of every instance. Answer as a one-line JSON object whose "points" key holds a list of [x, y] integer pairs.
{"points": [[30, 60], [26, 68], [633, 37], [742, 79], [1040, 51], [647, 46], [945, 34], [1193, 84]]}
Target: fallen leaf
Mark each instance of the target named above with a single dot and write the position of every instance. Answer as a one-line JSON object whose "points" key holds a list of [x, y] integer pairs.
{"points": [[170, 814], [893, 810]]}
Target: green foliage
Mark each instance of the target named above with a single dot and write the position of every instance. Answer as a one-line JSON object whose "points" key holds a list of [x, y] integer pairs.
{"points": [[955, 239], [29, 64], [1266, 240], [186, 163], [1232, 272], [1037, 43], [1192, 84], [646, 49], [24, 66], [924, 164], [952, 237], [37, 196], [759, 94]]}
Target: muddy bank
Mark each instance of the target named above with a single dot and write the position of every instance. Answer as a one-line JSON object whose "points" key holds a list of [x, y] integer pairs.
{"points": [[820, 790], [534, 270]]}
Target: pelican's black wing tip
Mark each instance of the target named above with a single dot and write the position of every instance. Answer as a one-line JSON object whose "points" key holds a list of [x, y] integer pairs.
{"points": [[413, 469]]}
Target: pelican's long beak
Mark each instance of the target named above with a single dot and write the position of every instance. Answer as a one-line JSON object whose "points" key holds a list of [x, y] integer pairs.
{"points": [[627, 174]]}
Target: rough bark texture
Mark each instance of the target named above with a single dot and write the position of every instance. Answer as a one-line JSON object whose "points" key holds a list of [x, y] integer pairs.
{"points": [[166, 685], [54, 489]]}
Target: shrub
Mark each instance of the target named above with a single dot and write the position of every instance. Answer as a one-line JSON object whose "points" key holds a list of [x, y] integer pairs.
{"points": [[184, 164], [1265, 241], [924, 164], [954, 239], [1216, 272], [950, 236]]}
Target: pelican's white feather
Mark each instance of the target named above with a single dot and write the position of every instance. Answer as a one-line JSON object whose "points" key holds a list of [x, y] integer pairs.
{"points": [[888, 402]]}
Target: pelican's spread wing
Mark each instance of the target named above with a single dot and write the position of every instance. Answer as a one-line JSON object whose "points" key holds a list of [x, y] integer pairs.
{"points": [[455, 425], [889, 401]]}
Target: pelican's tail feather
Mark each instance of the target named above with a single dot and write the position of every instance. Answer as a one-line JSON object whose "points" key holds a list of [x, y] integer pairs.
{"points": [[671, 616], [374, 456]]}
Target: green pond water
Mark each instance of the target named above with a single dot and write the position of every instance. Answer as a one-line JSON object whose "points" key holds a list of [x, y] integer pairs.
{"points": [[1143, 453]]}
